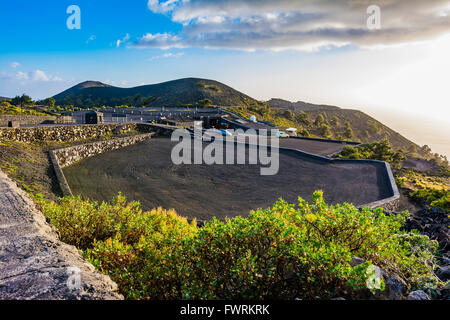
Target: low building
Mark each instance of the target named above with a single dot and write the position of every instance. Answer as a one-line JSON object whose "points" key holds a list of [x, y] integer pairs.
{"points": [[93, 117]]}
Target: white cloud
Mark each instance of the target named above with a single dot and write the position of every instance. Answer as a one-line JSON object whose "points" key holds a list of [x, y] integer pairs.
{"points": [[121, 41], [32, 76], [39, 75], [295, 24], [159, 40], [14, 64], [167, 55], [91, 38]]}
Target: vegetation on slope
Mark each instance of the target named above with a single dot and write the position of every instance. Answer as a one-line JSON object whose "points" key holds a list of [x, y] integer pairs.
{"points": [[287, 251], [29, 165], [431, 187], [381, 151], [327, 122], [175, 93], [311, 120], [7, 108]]}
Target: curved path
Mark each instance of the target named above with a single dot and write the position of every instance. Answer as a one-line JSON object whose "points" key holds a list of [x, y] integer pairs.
{"points": [[34, 264]]}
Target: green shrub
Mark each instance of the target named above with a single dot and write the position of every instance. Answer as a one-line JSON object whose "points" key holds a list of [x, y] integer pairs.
{"points": [[381, 151], [437, 198], [283, 252], [82, 222]]}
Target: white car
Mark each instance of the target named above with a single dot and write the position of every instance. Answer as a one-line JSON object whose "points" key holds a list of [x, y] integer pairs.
{"points": [[225, 132], [283, 134]]}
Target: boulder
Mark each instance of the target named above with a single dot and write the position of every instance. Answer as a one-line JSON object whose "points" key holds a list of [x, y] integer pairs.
{"points": [[395, 287], [418, 295], [356, 261], [443, 273]]}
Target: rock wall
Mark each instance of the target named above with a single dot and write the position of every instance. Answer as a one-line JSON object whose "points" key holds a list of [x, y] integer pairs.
{"points": [[68, 133], [66, 156], [32, 120], [70, 155]]}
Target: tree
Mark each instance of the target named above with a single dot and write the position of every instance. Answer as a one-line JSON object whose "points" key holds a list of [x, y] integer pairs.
{"points": [[335, 121], [137, 99], [426, 149], [348, 133], [381, 151], [373, 127], [319, 120], [412, 149], [324, 130], [49, 102], [22, 101], [302, 118], [205, 103], [148, 100], [305, 133], [288, 114]]}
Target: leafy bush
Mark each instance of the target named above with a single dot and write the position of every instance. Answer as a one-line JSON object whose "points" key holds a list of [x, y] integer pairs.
{"points": [[381, 151], [324, 130], [437, 198], [283, 252], [82, 222]]}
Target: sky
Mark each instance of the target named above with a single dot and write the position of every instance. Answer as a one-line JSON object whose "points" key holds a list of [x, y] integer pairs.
{"points": [[392, 64]]}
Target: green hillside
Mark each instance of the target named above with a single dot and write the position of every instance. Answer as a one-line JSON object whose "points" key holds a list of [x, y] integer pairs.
{"points": [[327, 122], [180, 92]]}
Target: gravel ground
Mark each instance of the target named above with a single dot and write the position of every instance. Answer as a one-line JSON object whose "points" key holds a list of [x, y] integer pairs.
{"points": [[146, 173]]}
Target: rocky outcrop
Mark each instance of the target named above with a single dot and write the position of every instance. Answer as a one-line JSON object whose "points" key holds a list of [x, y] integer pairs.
{"points": [[418, 295], [34, 264]]}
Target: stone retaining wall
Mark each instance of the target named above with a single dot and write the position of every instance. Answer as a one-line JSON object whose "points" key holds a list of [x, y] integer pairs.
{"points": [[67, 133], [29, 120], [70, 155], [64, 157]]}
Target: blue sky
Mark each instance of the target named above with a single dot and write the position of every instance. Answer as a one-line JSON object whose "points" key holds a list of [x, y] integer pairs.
{"points": [[320, 51]]}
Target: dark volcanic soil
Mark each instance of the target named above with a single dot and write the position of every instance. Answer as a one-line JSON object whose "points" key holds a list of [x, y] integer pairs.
{"points": [[29, 166], [146, 173], [323, 148]]}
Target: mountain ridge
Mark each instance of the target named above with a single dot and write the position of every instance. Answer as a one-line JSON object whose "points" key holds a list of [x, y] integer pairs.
{"points": [[172, 93], [299, 105], [335, 122]]}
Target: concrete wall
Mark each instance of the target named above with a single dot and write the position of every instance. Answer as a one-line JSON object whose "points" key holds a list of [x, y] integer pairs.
{"points": [[390, 204]]}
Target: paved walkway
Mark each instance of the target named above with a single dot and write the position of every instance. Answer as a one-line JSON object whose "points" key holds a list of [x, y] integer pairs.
{"points": [[34, 264]]}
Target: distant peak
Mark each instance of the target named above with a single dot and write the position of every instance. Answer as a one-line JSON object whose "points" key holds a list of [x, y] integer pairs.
{"points": [[92, 84]]}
